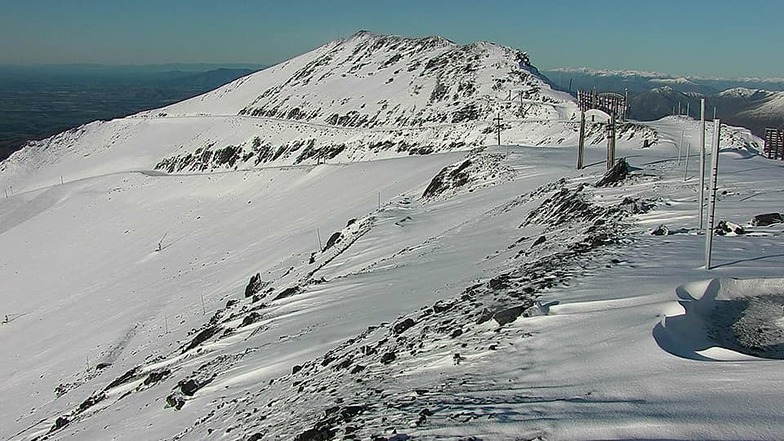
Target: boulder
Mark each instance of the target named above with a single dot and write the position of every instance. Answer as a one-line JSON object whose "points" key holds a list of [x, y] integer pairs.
{"points": [[508, 315], [614, 175], [254, 285], [763, 220]]}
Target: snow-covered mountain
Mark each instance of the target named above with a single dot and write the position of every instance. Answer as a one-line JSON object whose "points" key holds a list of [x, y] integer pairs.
{"points": [[164, 278]]}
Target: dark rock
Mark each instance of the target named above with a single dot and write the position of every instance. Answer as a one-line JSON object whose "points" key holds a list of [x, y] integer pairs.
{"points": [[60, 422], [508, 315], [349, 412], [539, 241], [615, 175], [401, 327], [92, 401], [231, 303], [661, 230], [315, 434], [250, 319], [156, 376], [389, 357], [344, 364], [254, 285], [201, 337], [763, 220], [498, 283], [296, 369], [176, 401], [255, 437], [350, 222], [189, 387], [288, 292], [456, 333], [724, 227], [484, 316], [440, 307], [101, 366], [124, 378], [357, 369], [335, 238]]}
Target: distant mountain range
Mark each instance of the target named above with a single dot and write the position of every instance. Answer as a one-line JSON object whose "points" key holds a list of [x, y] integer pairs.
{"points": [[755, 103]]}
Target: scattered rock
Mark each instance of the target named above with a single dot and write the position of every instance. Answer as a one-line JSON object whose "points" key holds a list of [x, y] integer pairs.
{"points": [[763, 220], [251, 318], [401, 327], [728, 228], [176, 401], [201, 337], [389, 357], [124, 378], [296, 369], [92, 401], [316, 434], [156, 376], [661, 230]]}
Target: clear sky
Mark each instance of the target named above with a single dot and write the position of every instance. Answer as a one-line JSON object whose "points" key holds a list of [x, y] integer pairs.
{"points": [[687, 37]]}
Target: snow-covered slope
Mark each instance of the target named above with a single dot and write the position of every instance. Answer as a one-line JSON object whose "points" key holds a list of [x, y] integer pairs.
{"points": [[368, 96], [492, 292]]}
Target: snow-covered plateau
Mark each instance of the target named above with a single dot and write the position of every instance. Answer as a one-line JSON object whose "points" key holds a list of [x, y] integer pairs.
{"points": [[336, 248]]}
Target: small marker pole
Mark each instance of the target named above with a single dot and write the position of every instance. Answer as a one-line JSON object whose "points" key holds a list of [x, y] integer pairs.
{"points": [[203, 309], [712, 196], [686, 169], [165, 324], [701, 196], [318, 233], [379, 200]]}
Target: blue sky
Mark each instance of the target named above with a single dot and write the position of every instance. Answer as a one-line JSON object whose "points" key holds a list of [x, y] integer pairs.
{"points": [[689, 37]]}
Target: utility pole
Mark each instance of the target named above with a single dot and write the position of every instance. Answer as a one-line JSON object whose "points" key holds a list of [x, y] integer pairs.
{"points": [[498, 128], [701, 196], [712, 196]]}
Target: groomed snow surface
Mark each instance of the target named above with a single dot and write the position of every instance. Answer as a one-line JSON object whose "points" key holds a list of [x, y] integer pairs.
{"points": [[517, 301]]}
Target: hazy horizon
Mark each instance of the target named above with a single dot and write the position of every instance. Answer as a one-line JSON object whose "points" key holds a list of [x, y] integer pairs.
{"points": [[697, 38]]}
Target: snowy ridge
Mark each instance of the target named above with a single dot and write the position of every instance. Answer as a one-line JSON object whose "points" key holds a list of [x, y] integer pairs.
{"points": [[365, 97]]}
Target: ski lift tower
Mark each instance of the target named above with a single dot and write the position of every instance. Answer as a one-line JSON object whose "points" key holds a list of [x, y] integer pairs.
{"points": [[774, 143], [611, 104]]}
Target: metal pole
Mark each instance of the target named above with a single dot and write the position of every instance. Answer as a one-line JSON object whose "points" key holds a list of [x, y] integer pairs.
{"points": [[688, 104], [686, 169], [581, 142], [203, 309], [701, 201], [712, 197], [318, 233], [498, 119], [680, 148]]}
